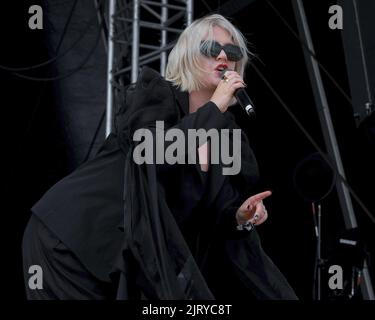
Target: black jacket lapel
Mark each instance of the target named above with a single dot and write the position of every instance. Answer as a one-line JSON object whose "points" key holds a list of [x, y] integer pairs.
{"points": [[182, 98]]}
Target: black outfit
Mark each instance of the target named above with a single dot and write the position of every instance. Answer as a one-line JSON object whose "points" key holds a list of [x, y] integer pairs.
{"points": [[153, 231]]}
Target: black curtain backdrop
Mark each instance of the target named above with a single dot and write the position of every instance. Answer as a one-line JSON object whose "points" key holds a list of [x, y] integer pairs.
{"points": [[37, 116]]}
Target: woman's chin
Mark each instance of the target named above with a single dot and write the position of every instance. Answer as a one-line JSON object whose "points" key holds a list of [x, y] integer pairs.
{"points": [[214, 83]]}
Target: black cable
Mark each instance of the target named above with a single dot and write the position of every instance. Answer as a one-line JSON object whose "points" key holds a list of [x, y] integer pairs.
{"points": [[63, 76], [359, 201], [303, 43], [315, 272], [207, 6], [101, 18], [66, 25], [42, 89], [127, 12], [58, 56], [95, 136], [316, 262], [315, 144]]}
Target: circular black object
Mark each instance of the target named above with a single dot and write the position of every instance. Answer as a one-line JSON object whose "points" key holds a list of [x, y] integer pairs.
{"points": [[313, 179]]}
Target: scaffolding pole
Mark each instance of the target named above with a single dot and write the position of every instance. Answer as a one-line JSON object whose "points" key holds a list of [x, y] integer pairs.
{"points": [[109, 108], [130, 46]]}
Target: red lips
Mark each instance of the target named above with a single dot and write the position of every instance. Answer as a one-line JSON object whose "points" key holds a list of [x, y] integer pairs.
{"points": [[221, 66]]}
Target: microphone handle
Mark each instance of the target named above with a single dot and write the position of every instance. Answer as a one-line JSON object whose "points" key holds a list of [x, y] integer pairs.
{"points": [[244, 100]]}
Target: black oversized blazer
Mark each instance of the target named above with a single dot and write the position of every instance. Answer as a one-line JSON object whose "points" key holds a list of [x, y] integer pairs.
{"points": [[86, 209]]}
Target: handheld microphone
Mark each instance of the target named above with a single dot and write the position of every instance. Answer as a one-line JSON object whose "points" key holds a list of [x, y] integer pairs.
{"points": [[243, 99]]}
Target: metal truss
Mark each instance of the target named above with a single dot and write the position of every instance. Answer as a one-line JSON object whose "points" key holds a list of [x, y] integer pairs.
{"points": [[140, 33]]}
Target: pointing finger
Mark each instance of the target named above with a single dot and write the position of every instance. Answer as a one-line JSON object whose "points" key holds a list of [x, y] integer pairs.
{"points": [[260, 196], [254, 200]]}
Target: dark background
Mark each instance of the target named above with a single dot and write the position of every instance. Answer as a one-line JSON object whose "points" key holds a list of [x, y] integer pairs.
{"points": [[37, 151]]}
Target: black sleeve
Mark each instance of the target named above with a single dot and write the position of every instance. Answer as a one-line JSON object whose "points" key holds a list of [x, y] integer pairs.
{"points": [[226, 205], [206, 117]]}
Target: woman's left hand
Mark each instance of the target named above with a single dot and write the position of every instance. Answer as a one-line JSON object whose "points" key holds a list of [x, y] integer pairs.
{"points": [[253, 209]]}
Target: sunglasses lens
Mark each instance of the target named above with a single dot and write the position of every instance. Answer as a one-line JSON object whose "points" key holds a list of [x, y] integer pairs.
{"points": [[233, 52], [213, 49], [205, 49], [210, 48]]}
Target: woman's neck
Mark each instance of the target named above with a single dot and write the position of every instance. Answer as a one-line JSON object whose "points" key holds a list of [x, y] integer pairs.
{"points": [[198, 98]]}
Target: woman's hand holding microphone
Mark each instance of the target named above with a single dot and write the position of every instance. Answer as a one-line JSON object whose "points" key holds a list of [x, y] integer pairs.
{"points": [[226, 88]]}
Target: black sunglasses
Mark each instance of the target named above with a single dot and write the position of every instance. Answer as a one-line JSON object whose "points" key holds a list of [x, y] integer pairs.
{"points": [[213, 49]]}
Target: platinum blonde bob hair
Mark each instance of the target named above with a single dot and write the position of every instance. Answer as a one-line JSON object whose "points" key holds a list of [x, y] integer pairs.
{"points": [[183, 67]]}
